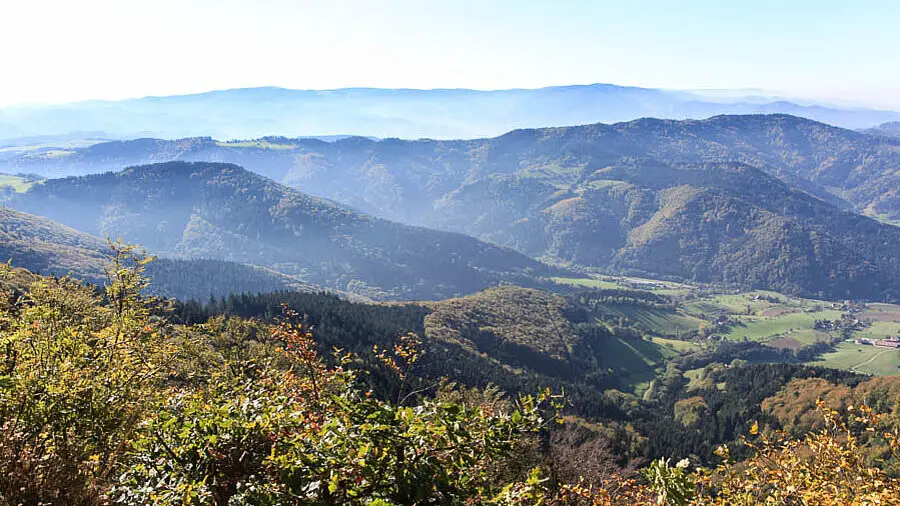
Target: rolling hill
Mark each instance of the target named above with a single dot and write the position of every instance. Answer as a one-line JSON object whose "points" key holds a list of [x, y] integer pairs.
{"points": [[43, 246], [220, 211]]}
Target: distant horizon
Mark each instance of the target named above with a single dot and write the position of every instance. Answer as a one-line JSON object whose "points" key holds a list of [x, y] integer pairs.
{"points": [[706, 93], [63, 51]]}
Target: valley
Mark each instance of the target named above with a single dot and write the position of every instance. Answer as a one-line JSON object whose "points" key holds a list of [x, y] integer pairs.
{"points": [[700, 317]]}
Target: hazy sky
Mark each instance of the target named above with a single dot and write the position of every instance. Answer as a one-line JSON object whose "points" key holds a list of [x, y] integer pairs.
{"points": [[65, 50]]}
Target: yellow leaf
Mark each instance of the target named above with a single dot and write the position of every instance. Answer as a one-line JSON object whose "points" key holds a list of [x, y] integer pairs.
{"points": [[755, 428]]}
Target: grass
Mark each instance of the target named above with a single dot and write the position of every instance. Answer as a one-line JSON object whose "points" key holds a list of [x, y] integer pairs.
{"points": [[627, 282], [17, 183], [782, 321], [881, 312], [738, 304], [657, 321], [862, 358], [699, 378], [676, 344], [879, 330], [586, 282], [694, 376], [560, 176], [636, 361], [599, 184], [798, 325], [255, 144]]}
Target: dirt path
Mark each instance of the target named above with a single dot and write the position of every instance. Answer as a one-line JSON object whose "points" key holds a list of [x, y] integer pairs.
{"points": [[873, 357]]}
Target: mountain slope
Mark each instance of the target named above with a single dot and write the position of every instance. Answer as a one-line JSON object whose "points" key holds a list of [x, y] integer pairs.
{"points": [[726, 223], [459, 113], [220, 211], [43, 246]]}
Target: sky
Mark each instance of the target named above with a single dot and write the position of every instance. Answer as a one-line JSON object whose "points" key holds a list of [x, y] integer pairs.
{"points": [[68, 50]]}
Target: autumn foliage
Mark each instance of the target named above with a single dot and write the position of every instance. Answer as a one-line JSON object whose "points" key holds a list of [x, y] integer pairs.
{"points": [[104, 401]]}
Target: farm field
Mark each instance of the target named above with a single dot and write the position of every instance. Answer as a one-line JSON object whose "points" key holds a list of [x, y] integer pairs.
{"points": [[882, 313], [17, 183], [677, 345], [771, 318], [797, 325], [657, 321], [670, 288], [862, 358], [587, 283], [636, 360]]}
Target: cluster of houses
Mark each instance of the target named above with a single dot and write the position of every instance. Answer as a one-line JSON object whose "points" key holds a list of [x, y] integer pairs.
{"points": [[847, 321], [890, 342], [849, 306]]}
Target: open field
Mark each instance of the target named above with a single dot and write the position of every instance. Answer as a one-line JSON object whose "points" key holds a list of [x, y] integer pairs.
{"points": [[774, 319], [798, 325], [879, 330], [636, 360], [629, 283], [881, 313], [658, 321], [17, 183], [760, 303], [586, 282], [677, 345], [862, 358]]}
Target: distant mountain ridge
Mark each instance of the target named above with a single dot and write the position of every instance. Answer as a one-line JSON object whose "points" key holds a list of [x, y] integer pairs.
{"points": [[405, 113]]}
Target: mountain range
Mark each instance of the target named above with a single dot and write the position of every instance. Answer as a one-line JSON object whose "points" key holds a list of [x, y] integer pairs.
{"points": [[846, 168], [405, 113], [765, 201], [223, 212]]}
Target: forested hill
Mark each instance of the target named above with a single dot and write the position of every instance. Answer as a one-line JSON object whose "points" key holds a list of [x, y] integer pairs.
{"points": [[247, 411], [726, 223], [889, 129], [221, 211], [44, 246]]}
